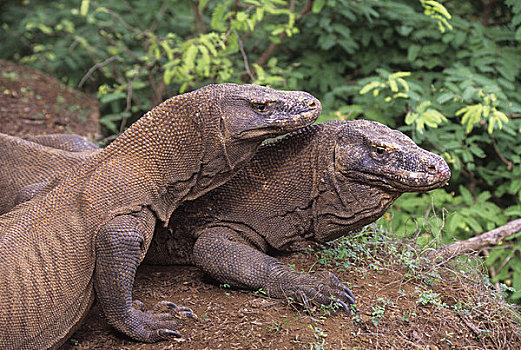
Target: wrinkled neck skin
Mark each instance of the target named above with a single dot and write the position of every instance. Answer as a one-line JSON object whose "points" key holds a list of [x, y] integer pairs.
{"points": [[334, 206], [343, 206], [177, 153]]}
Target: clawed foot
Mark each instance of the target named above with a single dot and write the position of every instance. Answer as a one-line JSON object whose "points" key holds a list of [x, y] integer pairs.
{"points": [[323, 288], [158, 323]]}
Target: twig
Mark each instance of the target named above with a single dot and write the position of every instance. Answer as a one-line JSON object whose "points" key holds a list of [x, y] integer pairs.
{"points": [[492, 271], [244, 57], [503, 159], [471, 325], [487, 10], [271, 48], [134, 16], [162, 10], [198, 18], [122, 21], [158, 88], [93, 68], [475, 243], [126, 112]]}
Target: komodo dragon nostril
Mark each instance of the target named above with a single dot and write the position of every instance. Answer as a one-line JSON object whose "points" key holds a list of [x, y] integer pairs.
{"points": [[312, 104], [431, 168]]}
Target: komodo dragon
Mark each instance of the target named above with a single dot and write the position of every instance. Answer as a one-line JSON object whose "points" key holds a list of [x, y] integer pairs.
{"points": [[317, 184], [92, 226]]}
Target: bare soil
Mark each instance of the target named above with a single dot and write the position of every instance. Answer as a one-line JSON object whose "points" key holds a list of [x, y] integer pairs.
{"points": [[399, 305], [389, 314], [32, 102]]}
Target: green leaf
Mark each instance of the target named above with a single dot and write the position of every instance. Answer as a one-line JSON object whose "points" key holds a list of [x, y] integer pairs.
{"points": [[202, 4], [410, 117], [422, 106], [219, 16], [112, 97], [84, 7], [318, 5], [447, 96], [393, 85], [370, 86], [471, 115]]}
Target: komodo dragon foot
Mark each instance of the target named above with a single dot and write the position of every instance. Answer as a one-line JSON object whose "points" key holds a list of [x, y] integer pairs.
{"points": [[323, 288], [160, 321], [225, 256], [120, 246]]}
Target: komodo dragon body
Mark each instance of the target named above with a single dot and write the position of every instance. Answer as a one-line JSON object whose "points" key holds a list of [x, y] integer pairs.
{"points": [[91, 227], [317, 184]]}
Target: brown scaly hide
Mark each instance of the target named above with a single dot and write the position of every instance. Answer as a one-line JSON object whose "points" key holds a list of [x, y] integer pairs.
{"points": [[179, 150], [317, 184]]}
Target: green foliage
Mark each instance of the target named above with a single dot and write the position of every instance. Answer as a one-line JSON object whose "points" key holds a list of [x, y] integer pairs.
{"points": [[135, 55], [446, 73], [379, 310], [428, 297]]}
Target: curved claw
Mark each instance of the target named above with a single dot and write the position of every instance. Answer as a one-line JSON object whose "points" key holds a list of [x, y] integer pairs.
{"points": [[324, 288], [184, 311], [168, 333], [344, 305], [347, 294], [138, 305], [171, 308], [156, 323], [304, 300]]}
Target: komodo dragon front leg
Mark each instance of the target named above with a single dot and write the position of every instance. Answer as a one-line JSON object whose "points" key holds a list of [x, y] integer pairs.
{"points": [[120, 246], [230, 259]]}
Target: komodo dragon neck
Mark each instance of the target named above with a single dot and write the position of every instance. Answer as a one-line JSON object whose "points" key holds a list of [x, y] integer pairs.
{"points": [[298, 178], [167, 158]]}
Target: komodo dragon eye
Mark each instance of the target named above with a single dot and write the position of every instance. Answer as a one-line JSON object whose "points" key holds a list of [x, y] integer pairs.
{"points": [[261, 107], [379, 150]]}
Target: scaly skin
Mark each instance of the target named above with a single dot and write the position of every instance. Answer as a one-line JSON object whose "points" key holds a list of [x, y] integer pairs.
{"points": [[91, 226], [317, 184]]}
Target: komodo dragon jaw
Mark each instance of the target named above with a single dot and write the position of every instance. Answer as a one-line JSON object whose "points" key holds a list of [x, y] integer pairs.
{"points": [[373, 154], [267, 113]]}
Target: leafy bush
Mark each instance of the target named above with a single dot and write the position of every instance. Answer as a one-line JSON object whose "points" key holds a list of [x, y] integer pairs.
{"points": [[446, 75]]}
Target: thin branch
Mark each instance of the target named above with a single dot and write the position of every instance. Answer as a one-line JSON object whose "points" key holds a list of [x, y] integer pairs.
{"points": [[94, 67], [244, 57], [478, 332], [498, 152], [514, 115], [158, 87], [198, 18], [162, 11], [487, 10], [123, 22], [134, 16], [126, 112], [475, 244], [273, 46]]}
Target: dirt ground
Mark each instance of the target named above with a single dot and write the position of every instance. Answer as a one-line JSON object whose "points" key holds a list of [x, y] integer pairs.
{"points": [[388, 314], [399, 305], [32, 102]]}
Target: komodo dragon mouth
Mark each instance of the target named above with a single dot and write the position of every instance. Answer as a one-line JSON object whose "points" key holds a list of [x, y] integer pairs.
{"points": [[403, 180], [278, 125]]}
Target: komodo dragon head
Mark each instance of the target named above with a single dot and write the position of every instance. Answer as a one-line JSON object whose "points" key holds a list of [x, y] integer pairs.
{"points": [[372, 166], [373, 154], [255, 112]]}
